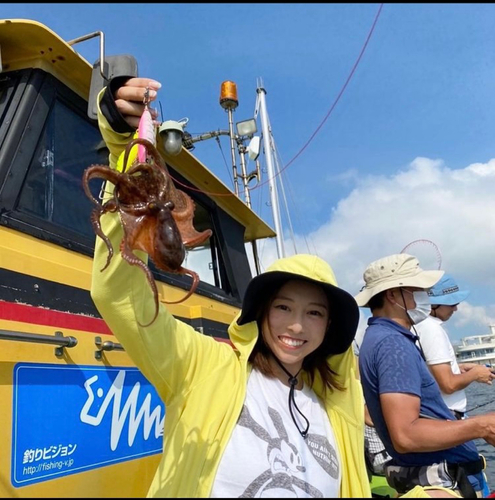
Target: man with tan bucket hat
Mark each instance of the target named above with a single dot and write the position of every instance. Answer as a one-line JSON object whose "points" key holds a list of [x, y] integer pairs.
{"points": [[428, 446]]}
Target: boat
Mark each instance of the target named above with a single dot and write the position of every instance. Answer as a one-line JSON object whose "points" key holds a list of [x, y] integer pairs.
{"points": [[477, 348], [77, 416]]}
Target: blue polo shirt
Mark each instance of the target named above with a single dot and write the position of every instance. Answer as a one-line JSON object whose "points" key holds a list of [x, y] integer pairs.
{"points": [[390, 361]]}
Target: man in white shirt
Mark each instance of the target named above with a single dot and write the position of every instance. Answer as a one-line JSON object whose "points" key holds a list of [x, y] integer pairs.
{"points": [[452, 378]]}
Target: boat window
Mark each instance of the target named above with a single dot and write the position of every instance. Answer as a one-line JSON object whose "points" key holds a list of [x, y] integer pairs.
{"points": [[201, 258], [53, 188], [7, 87]]}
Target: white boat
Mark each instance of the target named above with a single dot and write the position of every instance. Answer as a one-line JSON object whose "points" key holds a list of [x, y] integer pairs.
{"points": [[477, 348]]}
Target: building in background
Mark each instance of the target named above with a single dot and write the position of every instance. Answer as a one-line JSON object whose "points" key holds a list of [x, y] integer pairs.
{"points": [[477, 348]]}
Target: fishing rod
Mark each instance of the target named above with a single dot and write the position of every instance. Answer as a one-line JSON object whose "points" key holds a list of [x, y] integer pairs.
{"points": [[482, 404], [479, 406]]}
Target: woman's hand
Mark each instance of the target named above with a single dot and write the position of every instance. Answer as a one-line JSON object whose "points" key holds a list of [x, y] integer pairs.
{"points": [[129, 99]]}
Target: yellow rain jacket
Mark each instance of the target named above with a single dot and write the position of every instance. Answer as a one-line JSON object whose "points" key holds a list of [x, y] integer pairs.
{"points": [[201, 381]]}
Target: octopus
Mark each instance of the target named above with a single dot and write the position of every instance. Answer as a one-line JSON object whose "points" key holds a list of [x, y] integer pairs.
{"points": [[156, 217]]}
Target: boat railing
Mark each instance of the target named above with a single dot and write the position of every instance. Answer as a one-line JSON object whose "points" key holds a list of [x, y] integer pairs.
{"points": [[108, 345], [57, 339], [60, 341]]}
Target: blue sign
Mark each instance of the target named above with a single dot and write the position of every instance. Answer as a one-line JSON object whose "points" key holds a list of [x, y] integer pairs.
{"points": [[69, 419]]}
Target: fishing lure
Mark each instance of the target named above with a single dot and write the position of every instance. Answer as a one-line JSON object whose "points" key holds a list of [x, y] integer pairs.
{"points": [[146, 129]]}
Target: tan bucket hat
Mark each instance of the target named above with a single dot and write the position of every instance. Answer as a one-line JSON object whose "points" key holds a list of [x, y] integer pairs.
{"points": [[394, 271]]}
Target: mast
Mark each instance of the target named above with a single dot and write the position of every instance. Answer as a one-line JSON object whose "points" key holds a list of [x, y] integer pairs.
{"points": [[265, 127]]}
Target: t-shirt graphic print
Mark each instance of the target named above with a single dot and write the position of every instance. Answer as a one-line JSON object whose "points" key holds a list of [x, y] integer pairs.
{"points": [[267, 457]]}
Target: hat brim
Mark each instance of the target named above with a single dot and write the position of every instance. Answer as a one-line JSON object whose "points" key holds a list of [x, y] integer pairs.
{"points": [[424, 279], [344, 313], [450, 299]]}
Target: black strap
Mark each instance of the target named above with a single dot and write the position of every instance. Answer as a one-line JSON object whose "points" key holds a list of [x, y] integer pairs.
{"points": [[473, 467], [292, 402], [109, 108], [459, 474]]}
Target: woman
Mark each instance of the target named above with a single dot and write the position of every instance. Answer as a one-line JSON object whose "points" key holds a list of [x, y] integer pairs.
{"points": [[281, 413]]}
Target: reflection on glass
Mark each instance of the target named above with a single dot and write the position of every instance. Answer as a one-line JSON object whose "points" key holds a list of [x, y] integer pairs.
{"points": [[199, 259], [53, 188]]}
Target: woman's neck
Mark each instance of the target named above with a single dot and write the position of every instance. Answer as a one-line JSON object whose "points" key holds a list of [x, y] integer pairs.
{"points": [[284, 376]]}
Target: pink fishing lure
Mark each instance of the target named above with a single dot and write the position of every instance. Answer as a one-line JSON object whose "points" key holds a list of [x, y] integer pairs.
{"points": [[146, 129]]}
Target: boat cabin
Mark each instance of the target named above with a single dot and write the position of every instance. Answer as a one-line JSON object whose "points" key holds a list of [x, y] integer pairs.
{"points": [[78, 418]]}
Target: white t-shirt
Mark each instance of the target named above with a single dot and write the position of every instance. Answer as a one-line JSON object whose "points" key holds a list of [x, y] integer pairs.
{"points": [[267, 456], [438, 349]]}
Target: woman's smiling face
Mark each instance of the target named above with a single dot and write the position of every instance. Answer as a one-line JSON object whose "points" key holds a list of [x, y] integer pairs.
{"points": [[296, 322]]}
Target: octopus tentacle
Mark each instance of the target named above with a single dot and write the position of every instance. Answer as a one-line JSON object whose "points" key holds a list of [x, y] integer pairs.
{"points": [[100, 172], [109, 206], [139, 167], [195, 278], [190, 237], [151, 150], [156, 217], [129, 257]]}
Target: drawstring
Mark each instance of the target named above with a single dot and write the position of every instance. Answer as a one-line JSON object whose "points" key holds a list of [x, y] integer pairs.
{"points": [[292, 402]]}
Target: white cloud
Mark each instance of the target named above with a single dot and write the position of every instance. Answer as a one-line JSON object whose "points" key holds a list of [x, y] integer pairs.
{"points": [[470, 315], [454, 208]]}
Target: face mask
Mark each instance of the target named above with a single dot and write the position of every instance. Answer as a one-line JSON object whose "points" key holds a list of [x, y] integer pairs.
{"points": [[422, 309]]}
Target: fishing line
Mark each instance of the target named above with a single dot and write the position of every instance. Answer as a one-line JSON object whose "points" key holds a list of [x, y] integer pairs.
{"points": [[351, 74], [482, 404], [479, 406]]}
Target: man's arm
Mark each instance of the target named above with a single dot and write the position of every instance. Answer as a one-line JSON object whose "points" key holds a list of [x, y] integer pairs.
{"points": [[411, 434], [464, 367], [450, 382]]}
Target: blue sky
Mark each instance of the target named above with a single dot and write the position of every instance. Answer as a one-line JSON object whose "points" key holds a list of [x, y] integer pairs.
{"points": [[407, 153]]}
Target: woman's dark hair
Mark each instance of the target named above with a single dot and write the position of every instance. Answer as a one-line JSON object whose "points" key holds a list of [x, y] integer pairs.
{"points": [[312, 363]]}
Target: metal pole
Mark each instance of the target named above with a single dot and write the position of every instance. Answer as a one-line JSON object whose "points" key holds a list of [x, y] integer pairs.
{"points": [[271, 171], [39, 338], [242, 152], [242, 158], [256, 257], [232, 150]]}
